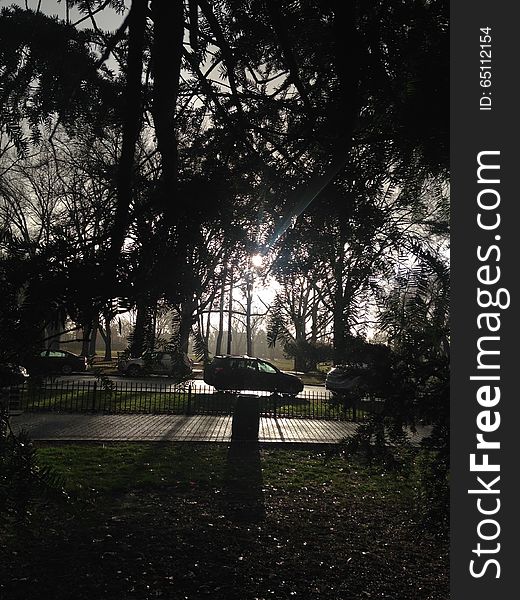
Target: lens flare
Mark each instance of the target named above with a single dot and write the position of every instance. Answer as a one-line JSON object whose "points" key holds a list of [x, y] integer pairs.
{"points": [[257, 260]]}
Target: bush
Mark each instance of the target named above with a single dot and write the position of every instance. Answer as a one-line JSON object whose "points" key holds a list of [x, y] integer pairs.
{"points": [[432, 492], [21, 480], [307, 354]]}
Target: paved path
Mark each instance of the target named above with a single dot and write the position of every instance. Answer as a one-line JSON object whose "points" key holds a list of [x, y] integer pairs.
{"points": [[157, 428]]}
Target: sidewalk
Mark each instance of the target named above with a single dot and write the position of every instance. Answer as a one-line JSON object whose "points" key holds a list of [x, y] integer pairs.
{"points": [[177, 428]]}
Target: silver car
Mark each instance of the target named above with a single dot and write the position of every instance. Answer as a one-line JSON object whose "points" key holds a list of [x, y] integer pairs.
{"points": [[155, 363]]}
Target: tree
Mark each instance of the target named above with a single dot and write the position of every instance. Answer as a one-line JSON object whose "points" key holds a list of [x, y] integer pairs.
{"points": [[297, 316], [415, 318], [48, 70], [234, 134]]}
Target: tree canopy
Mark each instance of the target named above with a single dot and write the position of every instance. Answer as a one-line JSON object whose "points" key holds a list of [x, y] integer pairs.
{"points": [[311, 132]]}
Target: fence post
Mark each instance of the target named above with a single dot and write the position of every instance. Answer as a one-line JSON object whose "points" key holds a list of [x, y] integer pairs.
{"points": [[94, 396], [275, 397], [188, 408], [354, 410]]}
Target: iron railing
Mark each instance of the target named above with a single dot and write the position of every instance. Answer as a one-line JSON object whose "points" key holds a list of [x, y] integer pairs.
{"points": [[155, 397]]}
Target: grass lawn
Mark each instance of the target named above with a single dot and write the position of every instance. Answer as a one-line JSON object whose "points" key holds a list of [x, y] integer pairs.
{"points": [[186, 521]]}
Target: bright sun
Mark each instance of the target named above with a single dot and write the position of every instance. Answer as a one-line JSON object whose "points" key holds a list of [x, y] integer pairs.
{"points": [[257, 260]]}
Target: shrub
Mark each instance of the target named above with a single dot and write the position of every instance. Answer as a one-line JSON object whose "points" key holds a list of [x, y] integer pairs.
{"points": [[21, 479]]}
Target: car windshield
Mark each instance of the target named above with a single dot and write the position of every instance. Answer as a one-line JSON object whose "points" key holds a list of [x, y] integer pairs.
{"points": [[264, 367]]}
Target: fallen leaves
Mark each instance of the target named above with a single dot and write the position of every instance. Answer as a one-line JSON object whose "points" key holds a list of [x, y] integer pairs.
{"points": [[198, 539]]}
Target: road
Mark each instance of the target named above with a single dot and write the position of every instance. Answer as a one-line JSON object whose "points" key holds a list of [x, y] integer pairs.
{"points": [[157, 382]]}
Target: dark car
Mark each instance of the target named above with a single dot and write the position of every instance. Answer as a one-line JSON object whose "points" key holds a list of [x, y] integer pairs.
{"points": [[247, 373], [347, 380], [52, 362], [367, 372], [357, 382]]}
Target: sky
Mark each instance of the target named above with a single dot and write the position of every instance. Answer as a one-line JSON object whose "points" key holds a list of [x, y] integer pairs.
{"points": [[107, 19]]}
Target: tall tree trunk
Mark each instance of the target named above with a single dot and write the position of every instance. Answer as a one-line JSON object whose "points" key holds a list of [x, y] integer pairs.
{"points": [[339, 344], [108, 341], [249, 302], [93, 336], [300, 364], [186, 323], [150, 326], [339, 341], [85, 344], [139, 333], [220, 334], [52, 335], [200, 324], [106, 334], [230, 313], [208, 324], [314, 317], [132, 117], [166, 53]]}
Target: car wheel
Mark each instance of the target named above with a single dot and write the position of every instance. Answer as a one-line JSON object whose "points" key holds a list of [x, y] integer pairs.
{"points": [[133, 371], [66, 369]]}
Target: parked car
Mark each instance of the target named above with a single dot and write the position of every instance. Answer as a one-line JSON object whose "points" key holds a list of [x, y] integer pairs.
{"points": [[347, 381], [52, 362], [367, 379], [248, 373], [156, 363], [11, 374], [365, 372]]}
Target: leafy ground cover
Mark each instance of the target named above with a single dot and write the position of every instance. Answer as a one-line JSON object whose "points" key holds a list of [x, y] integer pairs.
{"points": [[190, 522]]}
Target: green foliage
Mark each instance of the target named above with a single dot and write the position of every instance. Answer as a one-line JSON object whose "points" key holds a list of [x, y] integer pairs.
{"points": [[415, 318], [308, 354], [182, 370], [21, 316], [381, 440], [432, 491], [282, 92], [22, 480], [278, 326], [108, 385], [378, 441], [47, 70], [200, 346], [415, 386]]}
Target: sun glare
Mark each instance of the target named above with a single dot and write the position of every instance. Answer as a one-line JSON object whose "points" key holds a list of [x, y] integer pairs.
{"points": [[257, 260]]}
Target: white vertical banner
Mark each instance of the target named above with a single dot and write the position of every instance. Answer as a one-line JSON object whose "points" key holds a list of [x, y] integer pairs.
{"points": [[485, 133]]}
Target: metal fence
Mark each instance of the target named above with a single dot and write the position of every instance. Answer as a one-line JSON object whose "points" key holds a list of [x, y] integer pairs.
{"points": [[158, 398]]}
